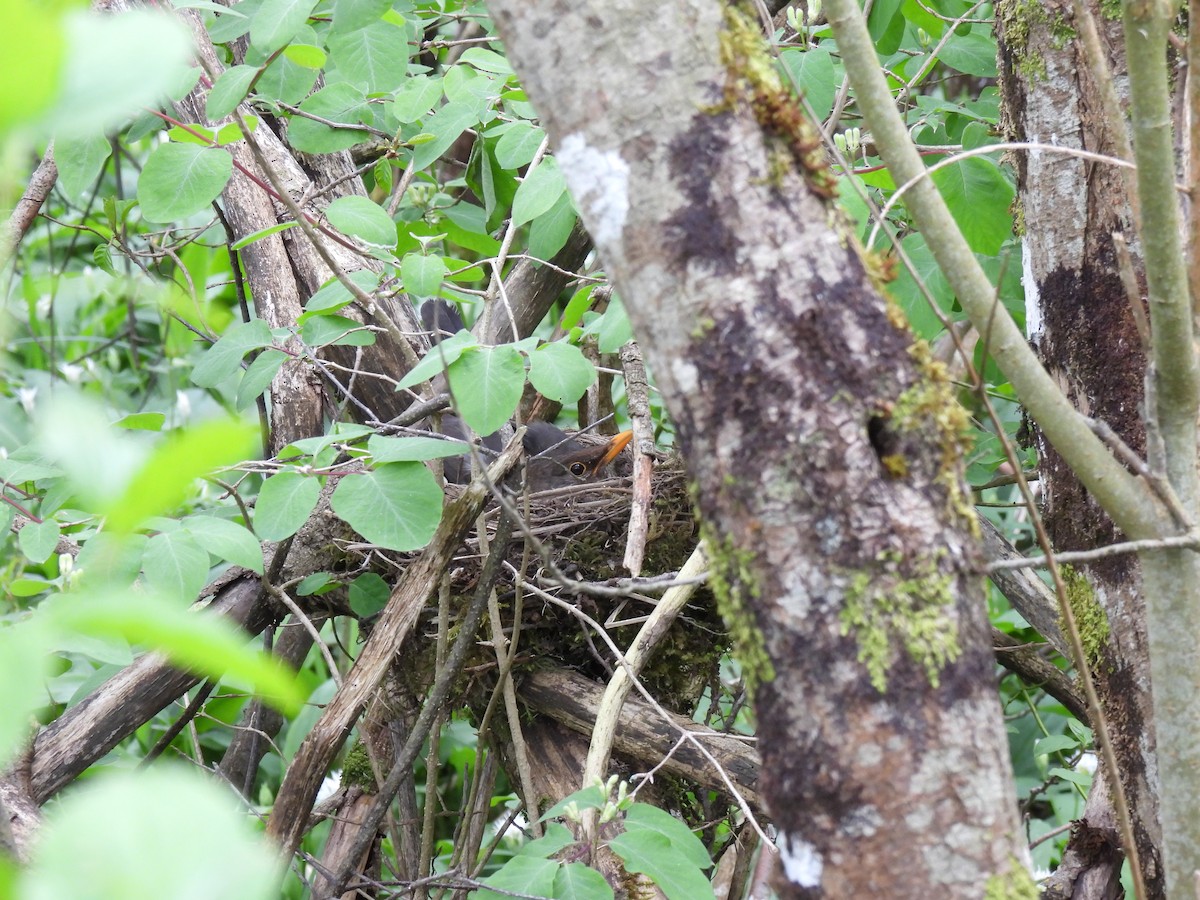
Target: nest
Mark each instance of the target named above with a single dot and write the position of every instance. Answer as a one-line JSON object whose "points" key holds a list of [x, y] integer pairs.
{"points": [[573, 537]]}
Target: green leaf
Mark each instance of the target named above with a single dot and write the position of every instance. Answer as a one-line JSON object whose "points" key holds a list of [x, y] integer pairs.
{"points": [[615, 330], [32, 53], [586, 798], [175, 566], [285, 81], [37, 540], [1083, 779], [111, 562], [1055, 743], [316, 583], [285, 502], [812, 71], [202, 643], [560, 372], [226, 540], [306, 55], [165, 480], [325, 330], [422, 275], [233, 23], [415, 98], [371, 57], [411, 449], [277, 22], [333, 295], [979, 198], [540, 190], [442, 355], [228, 91], [80, 161], [98, 459], [549, 231], [258, 376], [180, 180], [368, 594], [886, 25], [652, 854], [260, 234], [362, 218], [575, 881], [518, 145], [642, 816], [349, 15], [446, 125], [25, 654], [924, 322], [971, 54], [224, 358], [340, 103], [102, 257], [487, 383], [486, 61], [149, 835], [141, 53], [527, 875], [141, 422], [556, 837], [397, 506]]}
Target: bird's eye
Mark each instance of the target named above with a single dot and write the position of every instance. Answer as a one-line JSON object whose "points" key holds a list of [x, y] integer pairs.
{"points": [[578, 469]]}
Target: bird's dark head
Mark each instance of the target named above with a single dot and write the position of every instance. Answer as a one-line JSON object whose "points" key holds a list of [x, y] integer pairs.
{"points": [[557, 459]]}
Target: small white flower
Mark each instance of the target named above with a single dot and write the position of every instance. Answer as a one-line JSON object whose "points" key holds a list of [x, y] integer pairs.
{"points": [[26, 396], [183, 405]]}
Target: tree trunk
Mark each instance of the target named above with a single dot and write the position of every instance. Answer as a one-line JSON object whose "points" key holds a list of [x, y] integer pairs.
{"points": [[821, 440], [1081, 320]]}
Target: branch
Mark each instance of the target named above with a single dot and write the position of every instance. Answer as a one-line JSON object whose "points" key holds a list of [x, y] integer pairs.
{"points": [[1116, 490]]}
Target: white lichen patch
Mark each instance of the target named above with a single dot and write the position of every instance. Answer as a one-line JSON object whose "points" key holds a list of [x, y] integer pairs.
{"points": [[802, 864], [599, 182]]}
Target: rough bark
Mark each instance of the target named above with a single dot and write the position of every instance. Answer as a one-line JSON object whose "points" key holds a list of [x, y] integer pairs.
{"points": [[787, 382], [1082, 323]]}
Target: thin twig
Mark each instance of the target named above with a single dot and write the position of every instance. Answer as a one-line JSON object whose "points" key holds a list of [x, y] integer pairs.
{"points": [[649, 698]]}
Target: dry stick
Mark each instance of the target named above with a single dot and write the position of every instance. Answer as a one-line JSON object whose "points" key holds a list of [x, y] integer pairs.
{"points": [[1192, 160], [1181, 541], [658, 708], [41, 182], [366, 301], [653, 630], [1026, 662], [437, 696], [1112, 121], [504, 654], [1162, 489], [637, 393], [1096, 715], [1132, 291], [573, 700], [496, 287], [428, 818], [404, 606]]}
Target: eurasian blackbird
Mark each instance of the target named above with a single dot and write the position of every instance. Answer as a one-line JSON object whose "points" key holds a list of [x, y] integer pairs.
{"points": [[556, 458]]}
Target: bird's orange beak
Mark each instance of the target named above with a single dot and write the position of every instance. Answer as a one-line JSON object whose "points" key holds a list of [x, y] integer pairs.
{"points": [[613, 447]]}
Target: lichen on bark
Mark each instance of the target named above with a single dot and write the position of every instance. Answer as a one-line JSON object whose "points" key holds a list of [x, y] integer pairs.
{"points": [[902, 607], [735, 586]]}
